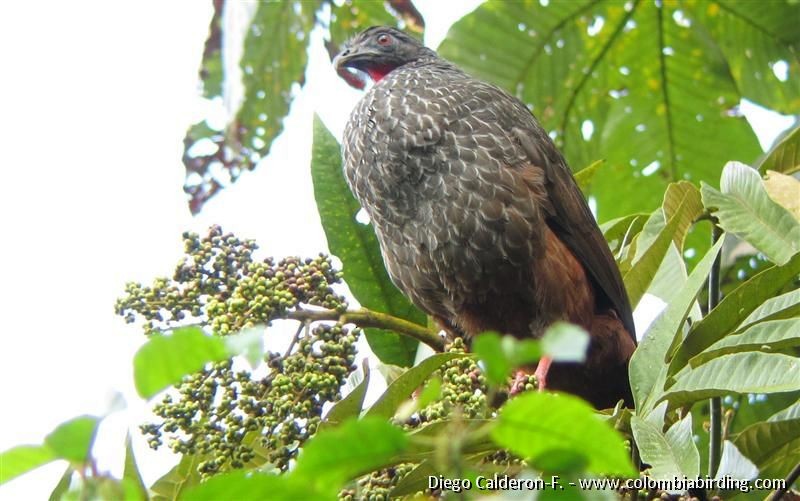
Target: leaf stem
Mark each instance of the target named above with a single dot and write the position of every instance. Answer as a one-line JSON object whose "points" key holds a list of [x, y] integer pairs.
{"points": [[369, 318], [715, 439]]}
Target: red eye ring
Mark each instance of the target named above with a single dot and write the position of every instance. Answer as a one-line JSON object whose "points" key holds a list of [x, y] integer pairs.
{"points": [[384, 39]]}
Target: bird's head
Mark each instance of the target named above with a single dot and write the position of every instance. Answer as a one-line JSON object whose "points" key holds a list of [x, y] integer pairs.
{"points": [[379, 50]]}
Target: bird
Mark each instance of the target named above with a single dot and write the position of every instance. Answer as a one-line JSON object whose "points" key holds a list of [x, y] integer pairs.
{"points": [[478, 217]]}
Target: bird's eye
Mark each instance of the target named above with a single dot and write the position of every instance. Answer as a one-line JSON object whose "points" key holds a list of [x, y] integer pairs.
{"points": [[384, 39]]}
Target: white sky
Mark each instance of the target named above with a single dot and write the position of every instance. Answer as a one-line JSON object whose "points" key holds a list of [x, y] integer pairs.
{"points": [[95, 99]]}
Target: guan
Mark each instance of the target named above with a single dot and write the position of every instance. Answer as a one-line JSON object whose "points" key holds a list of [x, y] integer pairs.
{"points": [[479, 220]]}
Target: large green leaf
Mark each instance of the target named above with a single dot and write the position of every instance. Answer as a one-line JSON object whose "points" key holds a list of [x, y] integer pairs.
{"points": [[22, 459], [71, 440], [773, 335], [647, 79], [785, 156], [532, 425], [647, 371], [370, 443], [733, 308], [619, 232], [350, 406], [774, 446], [131, 471], [783, 306], [165, 359], [176, 481], [749, 372], [680, 208], [356, 245], [743, 207], [670, 454], [753, 37], [272, 65], [248, 486]]}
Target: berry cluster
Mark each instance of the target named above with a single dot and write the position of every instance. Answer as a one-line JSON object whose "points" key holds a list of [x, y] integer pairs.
{"points": [[378, 485], [463, 387], [230, 418]]}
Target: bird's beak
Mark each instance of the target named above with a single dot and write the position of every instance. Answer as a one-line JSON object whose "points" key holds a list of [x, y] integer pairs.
{"points": [[350, 57], [341, 59]]}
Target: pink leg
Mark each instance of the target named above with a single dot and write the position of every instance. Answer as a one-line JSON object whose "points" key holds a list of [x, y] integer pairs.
{"points": [[541, 372]]}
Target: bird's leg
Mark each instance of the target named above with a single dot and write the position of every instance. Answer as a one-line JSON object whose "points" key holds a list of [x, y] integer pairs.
{"points": [[541, 372]]}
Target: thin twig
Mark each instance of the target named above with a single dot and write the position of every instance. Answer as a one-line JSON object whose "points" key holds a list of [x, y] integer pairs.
{"points": [[368, 318]]}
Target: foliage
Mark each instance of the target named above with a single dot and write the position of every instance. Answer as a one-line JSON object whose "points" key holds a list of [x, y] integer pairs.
{"points": [[654, 88]]}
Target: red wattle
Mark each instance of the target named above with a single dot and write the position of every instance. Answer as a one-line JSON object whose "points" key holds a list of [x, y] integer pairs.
{"points": [[377, 73]]}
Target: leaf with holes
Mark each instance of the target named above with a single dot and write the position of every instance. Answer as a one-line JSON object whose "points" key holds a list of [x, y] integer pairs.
{"points": [[271, 68], [642, 84]]}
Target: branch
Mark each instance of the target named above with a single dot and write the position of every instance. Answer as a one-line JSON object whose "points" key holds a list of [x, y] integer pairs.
{"points": [[368, 318]]}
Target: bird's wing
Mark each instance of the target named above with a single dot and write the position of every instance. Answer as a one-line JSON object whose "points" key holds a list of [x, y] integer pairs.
{"points": [[572, 221]]}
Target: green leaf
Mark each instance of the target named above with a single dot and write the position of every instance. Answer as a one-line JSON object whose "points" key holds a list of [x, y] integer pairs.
{"points": [[430, 393], [773, 446], [791, 412], [356, 245], [63, 485], [783, 306], [733, 308], [131, 471], [252, 486], [681, 207], [415, 481], [671, 454], [647, 371], [402, 387], [165, 359], [532, 425], [177, 480], [774, 335], [73, 439], [620, 232], [22, 459], [785, 156], [272, 65], [683, 201], [585, 176], [743, 207], [351, 405], [785, 191], [752, 38], [749, 372], [370, 443], [734, 464], [502, 354], [433, 439], [647, 76]]}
